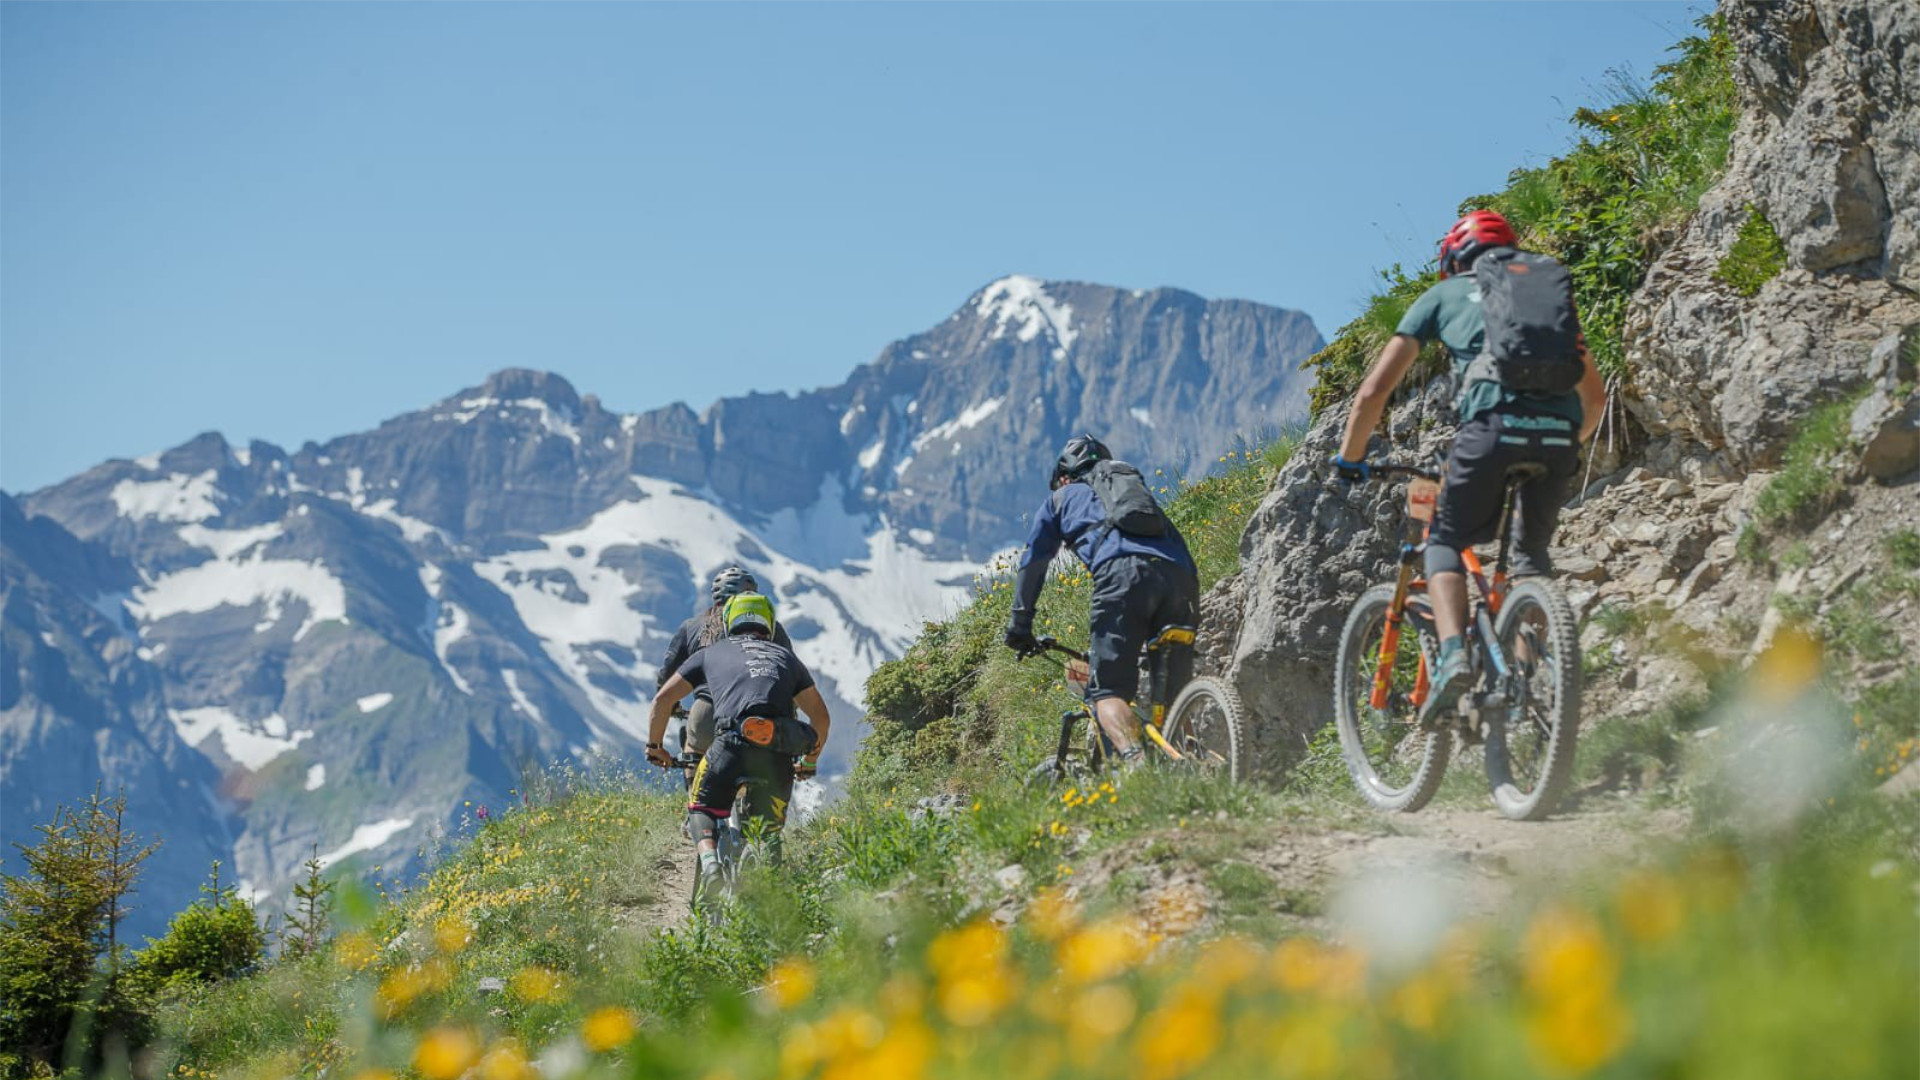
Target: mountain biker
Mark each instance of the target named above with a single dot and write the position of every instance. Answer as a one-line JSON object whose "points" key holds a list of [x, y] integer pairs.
{"points": [[1499, 427], [697, 633], [1144, 580], [755, 684]]}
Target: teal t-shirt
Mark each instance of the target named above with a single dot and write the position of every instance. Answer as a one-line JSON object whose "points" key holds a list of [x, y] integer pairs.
{"points": [[1450, 311]]}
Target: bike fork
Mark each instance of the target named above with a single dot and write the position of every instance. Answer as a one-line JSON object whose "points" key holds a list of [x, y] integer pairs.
{"points": [[1390, 640], [1066, 740]]}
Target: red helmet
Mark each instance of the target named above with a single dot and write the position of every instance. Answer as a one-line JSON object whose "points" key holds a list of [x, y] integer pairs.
{"points": [[1472, 235]]}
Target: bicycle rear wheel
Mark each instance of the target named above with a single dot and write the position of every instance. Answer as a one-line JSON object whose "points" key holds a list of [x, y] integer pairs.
{"points": [[1206, 723], [1395, 765], [1530, 752]]}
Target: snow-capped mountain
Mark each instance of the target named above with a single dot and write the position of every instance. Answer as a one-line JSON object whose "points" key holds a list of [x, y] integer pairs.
{"points": [[336, 649]]}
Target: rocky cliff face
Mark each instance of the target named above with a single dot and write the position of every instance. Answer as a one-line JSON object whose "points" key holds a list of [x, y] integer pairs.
{"points": [[335, 649], [1825, 151]]}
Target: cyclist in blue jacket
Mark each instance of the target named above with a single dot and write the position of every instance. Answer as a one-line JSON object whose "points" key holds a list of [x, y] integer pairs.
{"points": [[1142, 584]]}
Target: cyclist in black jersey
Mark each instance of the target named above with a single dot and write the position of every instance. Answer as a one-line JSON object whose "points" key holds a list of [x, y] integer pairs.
{"points": [[756, 686], [697, 633]]}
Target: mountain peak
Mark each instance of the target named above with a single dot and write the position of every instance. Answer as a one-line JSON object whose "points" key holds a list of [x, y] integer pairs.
{"points": [[521, 384], [1022, 305]]}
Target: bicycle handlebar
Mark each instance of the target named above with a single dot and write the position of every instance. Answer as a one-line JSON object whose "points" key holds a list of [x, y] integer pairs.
{"points": [[1048, 644], [1387, 468]]}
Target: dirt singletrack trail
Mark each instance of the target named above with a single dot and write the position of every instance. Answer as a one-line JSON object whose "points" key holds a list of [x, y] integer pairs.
{"points": [[673, 884], [1486, 860]]}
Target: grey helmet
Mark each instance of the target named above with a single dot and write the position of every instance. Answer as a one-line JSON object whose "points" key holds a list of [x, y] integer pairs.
{"points": [[732, 582], [1079, 455]]}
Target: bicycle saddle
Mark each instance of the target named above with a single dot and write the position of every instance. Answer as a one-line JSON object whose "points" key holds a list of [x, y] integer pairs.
{"points": [[1172, 635]]}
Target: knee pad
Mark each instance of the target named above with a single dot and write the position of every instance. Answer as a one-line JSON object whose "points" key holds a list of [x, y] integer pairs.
{"points": [[700, 825], [1443, 560]]}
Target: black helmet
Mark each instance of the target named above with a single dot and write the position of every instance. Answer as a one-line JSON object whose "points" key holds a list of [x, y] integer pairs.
{"points": [[731, 582], [1077, 457]]}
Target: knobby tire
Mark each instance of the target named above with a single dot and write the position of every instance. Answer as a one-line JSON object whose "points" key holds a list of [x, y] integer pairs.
{"points": [[1549, 730], [1358, 723]]}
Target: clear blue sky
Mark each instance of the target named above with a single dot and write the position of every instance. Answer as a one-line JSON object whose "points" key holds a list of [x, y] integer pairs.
{"points": [[292, 221]]}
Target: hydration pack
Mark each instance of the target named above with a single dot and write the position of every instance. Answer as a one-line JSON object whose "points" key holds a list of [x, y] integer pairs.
{"points": [[1124, 495], [1532, 333]]}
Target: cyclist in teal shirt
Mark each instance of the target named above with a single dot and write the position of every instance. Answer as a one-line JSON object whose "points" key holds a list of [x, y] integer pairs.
{"points": [[1499, 427]]}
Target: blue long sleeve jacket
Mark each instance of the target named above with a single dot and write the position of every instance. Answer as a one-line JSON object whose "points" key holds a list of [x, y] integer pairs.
{"points": [[1073, 516]]}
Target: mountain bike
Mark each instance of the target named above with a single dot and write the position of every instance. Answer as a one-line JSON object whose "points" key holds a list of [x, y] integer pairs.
{"points": [[1524, 645], [1203, 727], [733, 839]]}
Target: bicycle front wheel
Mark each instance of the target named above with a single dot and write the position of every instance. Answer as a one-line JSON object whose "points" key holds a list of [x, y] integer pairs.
{"points": [[1530, 752], [1395, 764], [1207, 725]]}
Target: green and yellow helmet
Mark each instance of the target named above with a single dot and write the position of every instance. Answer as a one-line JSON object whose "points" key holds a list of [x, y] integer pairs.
{"points": [[749, 611]]}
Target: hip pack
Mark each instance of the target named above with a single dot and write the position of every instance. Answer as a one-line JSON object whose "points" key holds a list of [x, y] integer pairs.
{"points": [[788, 736]]}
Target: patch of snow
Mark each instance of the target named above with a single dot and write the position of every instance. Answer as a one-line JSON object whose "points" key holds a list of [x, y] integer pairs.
{"points": [[179, 497], [847, 418], [607, 443], [356, 486], [224, 582], [374, 702], [556, 422], [367, 838], [324, 460], [1142, 415], [242, 455], [970, 417], [923, 537], [629, 422], [900, 467], [249, 745], [521, 701], [412, 528], [316, 776], [871, 455], [254, 894], [1022, 300], [49, 640], [913, 406], [445, 624], [228, 543], [149, 462]]}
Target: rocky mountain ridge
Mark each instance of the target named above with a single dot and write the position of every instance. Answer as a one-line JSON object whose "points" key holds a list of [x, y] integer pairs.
{"points": [[336, 649]]}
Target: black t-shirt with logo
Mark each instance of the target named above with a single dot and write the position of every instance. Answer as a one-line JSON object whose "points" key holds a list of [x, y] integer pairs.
{"points": [[747, 676], [691, 638]]}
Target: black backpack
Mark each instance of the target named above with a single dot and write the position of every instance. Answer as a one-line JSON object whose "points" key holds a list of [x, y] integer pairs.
{"points": [[1533, 335], [1129, 504]]}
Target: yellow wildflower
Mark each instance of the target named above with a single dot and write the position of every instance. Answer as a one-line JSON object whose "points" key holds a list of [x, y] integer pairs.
{"points": [[1565, 954], [1579, 1032], [1179, 1036], [354, 950], [451, 934], [506, 1061], [536, 984], [791, 982], [445, 1053], [1098, 1015], [608, 1028], [1100, 951]]}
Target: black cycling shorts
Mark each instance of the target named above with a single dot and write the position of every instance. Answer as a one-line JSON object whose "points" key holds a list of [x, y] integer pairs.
{"points": [[1486, 446], [728, 762], [1134, 598]]}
